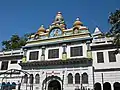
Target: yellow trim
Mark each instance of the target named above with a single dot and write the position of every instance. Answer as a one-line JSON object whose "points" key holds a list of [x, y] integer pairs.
{"points": [[55, 39]]}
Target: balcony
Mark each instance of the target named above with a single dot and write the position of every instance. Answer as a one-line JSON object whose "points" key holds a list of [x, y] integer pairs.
{"points": [[8, 55]]}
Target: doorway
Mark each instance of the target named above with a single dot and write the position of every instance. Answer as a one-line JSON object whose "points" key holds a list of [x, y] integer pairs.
{"points": [[54, 85]]}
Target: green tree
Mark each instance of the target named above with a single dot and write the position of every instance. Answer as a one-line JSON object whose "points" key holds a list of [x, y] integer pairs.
{"points": [[114, 20], [15, 41]]}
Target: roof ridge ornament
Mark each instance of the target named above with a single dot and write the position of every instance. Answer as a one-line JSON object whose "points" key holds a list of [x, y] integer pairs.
{"points": [[77, 22]]}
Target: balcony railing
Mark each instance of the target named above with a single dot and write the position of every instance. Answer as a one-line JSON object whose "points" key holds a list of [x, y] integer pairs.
{"points": [[104, 40], [11, 52]]}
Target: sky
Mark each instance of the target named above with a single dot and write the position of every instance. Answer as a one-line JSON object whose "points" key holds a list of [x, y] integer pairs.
{"points": [[26, 16]]}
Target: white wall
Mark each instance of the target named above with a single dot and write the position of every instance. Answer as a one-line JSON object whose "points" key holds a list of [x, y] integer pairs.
{"points": [[106, 63], [84, 47], [59, 72]]}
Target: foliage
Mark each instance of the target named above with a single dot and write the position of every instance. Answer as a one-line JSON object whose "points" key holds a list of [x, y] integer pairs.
{"points": [[15, 42], [114, 20]]}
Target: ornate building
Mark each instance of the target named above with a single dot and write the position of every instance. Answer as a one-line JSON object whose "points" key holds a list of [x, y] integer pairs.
{"points": [[61, 58]]}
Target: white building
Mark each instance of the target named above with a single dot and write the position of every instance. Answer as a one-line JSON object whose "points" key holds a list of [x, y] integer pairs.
{"points": [[106, 63], [10, 60], [58, 58]]}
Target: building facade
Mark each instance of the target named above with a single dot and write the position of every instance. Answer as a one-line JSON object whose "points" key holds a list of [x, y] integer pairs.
{"points": [[61, 58], [105, 61]]}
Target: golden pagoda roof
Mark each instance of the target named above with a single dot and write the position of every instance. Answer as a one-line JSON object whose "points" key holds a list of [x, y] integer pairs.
{"points": [[41, 30], [77, 22]]}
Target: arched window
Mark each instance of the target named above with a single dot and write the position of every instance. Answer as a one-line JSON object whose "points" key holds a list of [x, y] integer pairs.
{"points": [[37, 79], [8, 85], [106, 86], [84, 78], [70, 78], [116, 86], [25, 78], [13, 85], [77, 78], [97, 86], [3, 86], [31, 79]]}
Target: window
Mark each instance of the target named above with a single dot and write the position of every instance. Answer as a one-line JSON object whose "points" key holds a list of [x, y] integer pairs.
{"points": [[70, 78], [4, 65], [31, 79], [76, 51], [100, 58], [112, 57], [25, 78], [84, 78], [3, 86], [77, 78], [14, 62], [53, 53], [34, 55], [37, 79], [13, 85]]}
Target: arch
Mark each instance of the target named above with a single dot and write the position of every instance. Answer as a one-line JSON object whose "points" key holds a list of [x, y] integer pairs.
{"points": [[84, 78], [54, 85], [25, 78], [116, 86], [70, 78], [31, 79], [8, 85], [13, 71], [50, 78], [77, 78], [75, 30], [13, 85], [3, 85], [106, 86], [37, 79], [97, 86]]}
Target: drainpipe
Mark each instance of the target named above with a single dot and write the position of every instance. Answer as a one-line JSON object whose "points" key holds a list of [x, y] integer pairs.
{"points": [[63, 79], [93, 77]]}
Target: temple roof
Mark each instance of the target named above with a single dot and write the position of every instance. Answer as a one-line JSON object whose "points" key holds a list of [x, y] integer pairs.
{"points": [[57, 31]]}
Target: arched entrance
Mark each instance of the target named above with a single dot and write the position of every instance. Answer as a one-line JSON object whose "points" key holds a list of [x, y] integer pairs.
{"points": [[107, 86], [54, 85], [97, 86], [116, 86]]}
